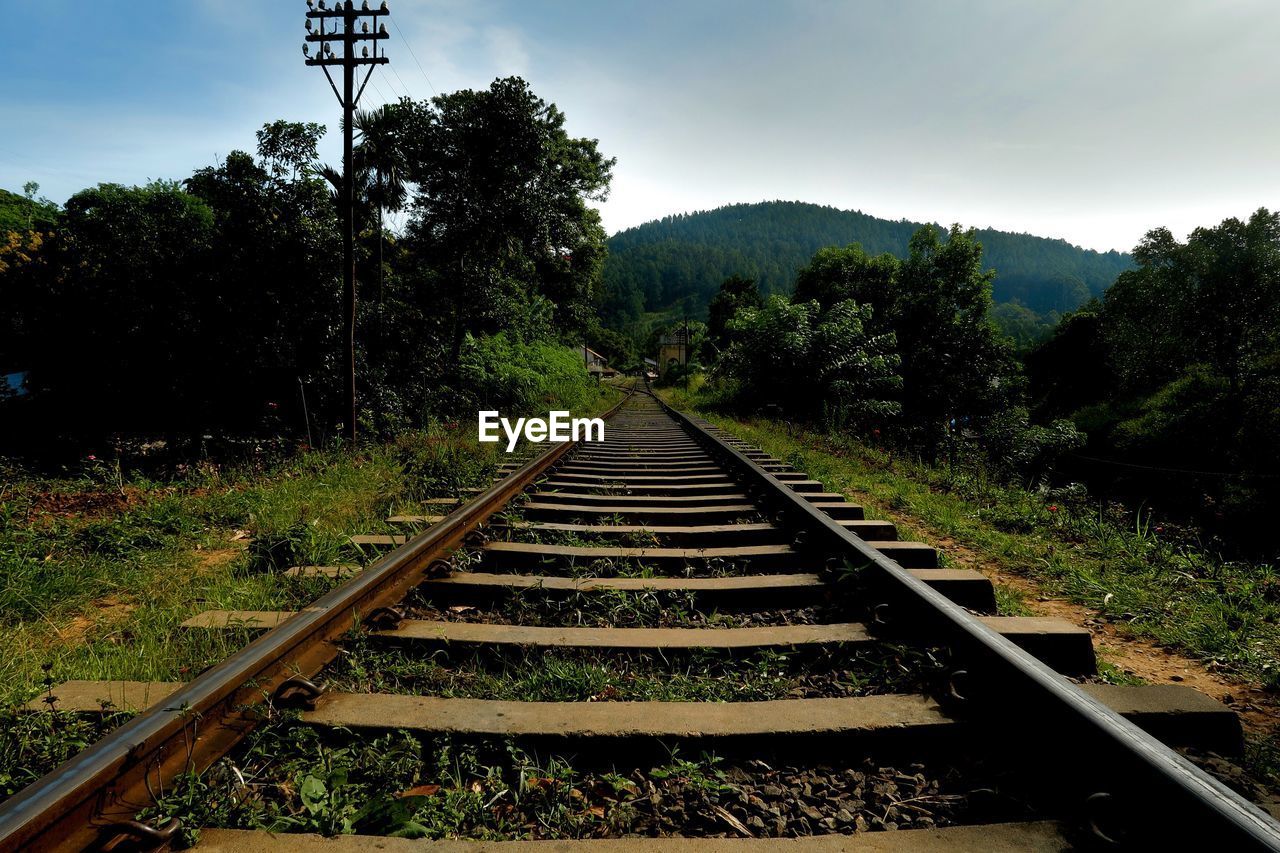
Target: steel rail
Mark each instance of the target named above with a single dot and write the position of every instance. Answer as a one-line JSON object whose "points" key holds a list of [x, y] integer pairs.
{"points": [[90, 799], [1170, 801]]}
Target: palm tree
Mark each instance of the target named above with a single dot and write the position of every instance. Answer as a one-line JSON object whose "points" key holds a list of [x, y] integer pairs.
{"points": [[379, 167]]}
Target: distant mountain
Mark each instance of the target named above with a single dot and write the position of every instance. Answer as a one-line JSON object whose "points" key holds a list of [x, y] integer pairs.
{"points": [[678, 262]]}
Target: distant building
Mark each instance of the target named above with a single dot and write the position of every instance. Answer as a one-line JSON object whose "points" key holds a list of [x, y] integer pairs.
{"points": [[651, 368], [673, 349], [596, 364]]}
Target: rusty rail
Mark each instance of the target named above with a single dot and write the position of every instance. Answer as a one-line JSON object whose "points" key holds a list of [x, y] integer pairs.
{"points": [[93, 798], [1128, 789]]}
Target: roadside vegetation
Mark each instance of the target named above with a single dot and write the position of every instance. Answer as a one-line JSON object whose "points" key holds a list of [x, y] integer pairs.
{"points": [[1150, 579], [98, 575], [100, 565]]}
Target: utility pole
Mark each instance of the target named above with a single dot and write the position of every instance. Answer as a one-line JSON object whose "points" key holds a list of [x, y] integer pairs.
{"points": [[345, 18], [686, 353]]}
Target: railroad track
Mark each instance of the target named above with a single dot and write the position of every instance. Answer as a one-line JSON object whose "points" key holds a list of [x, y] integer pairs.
{"points": [[878, 690]]}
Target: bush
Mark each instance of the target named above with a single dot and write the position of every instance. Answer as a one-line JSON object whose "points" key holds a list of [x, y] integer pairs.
{"points": [[524, 377], [1017, 448], [441, 461], [815, 363]]}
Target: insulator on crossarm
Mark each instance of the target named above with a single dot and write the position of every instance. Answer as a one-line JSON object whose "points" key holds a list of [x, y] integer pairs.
{"points": [[366, 26], [384, 10], [366, 53], [383, 29], [306, 50]]}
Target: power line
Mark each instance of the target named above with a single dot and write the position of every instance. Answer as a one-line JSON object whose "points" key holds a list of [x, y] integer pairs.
{"points": [[415, 57], [407, 93], [391, 86], [377, 91]]}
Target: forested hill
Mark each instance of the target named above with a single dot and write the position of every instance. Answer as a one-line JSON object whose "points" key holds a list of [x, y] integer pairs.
{"points": [[681, 260], [19, 213]]}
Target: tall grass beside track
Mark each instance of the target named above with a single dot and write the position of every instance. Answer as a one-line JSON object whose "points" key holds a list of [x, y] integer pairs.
{"points": [[98, 570], [1150, 581]]}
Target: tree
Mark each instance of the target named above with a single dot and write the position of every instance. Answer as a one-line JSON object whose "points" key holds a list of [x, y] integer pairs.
{"points": [[1214, 299], [26, 212], [836, 274], [1177, 371], [1070, 369], [500, 215], [617, 349], [128, 284], [736, 293], [813, 363], [289, 146], [955, 369], [1194, 336], [380, 161], [276, 284]]}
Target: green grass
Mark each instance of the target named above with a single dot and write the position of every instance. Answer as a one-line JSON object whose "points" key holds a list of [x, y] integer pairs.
{"points": [[1147, 581], [587, 675], [99, 567], [101, 596], [291, 778]]}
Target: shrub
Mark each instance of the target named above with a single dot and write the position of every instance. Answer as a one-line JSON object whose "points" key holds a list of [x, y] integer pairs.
{"points": [[814, 363], [523, 377], [1017, 448]]}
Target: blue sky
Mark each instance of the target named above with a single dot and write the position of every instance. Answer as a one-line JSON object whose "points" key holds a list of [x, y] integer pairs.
{"points": [[1092, 120]]}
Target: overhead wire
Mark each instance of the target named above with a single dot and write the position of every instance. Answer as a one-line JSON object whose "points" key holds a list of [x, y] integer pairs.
{"points": [[391, 86], [407, 93], [415, 57]]}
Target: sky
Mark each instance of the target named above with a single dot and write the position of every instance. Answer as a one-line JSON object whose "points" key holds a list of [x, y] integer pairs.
{"points": [[1089, 120]]}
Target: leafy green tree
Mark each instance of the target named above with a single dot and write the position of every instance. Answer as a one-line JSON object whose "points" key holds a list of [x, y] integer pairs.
{"points": [[616, 348], [275, 281], [736, 293], [836, 274], [289, 146], [127, 283], [26, 212], [813, 363], [500, 209], [955, 369], [1194, 336], [1021, 326], [380, 160], [1219, 303], [1070, 369], [1176, 375]]}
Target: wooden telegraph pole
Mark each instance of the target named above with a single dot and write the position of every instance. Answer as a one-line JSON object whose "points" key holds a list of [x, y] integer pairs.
{"points": [[346, 19]]}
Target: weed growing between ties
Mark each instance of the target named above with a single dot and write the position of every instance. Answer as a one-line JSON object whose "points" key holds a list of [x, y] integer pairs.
{"points": [[32, 744], [291, 778], [368, 665], [602, 608]]}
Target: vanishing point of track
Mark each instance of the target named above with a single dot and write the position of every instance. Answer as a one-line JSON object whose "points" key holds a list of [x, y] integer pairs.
{"points": [[730, 526]]}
